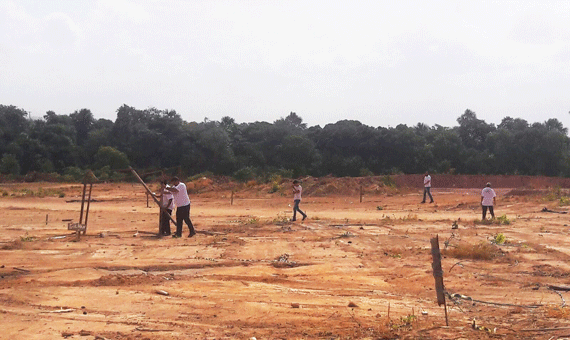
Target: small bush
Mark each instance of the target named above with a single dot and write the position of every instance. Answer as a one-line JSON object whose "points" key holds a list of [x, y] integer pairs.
{"points": [[275, 183], [564, 200], [73, 174], [365, 172], [481, 251], [388, 181], [28, 238], [118, 176], [244, 174], [503, 219], [499, 238]]}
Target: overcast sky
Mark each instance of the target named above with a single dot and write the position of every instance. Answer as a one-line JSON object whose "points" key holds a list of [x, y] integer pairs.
{"points": [[382, 63]]}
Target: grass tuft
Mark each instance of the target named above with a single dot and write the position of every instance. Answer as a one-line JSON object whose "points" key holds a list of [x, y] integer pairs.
{"points": [[482, 251]]}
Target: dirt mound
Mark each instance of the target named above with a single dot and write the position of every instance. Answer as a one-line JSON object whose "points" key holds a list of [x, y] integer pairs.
{"points": [[374, 185]]}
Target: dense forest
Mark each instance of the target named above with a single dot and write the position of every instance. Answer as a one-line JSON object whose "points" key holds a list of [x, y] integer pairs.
{"points": [[65, 145]]}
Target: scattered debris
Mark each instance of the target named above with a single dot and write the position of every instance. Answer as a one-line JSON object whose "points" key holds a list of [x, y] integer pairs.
{"points": [[352, 305], [21, 270], [295, 305], [482, 328], [68, 310], [162, 292], [545, 209], [562, 288], [454, 225], [283, 258], [142, 329]]}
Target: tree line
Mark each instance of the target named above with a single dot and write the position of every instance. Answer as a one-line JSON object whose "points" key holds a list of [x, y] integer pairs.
{"points": [[65, 145]]}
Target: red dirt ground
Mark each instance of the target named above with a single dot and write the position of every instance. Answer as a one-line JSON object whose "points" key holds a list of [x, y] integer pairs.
{"points": [[352, 270]]}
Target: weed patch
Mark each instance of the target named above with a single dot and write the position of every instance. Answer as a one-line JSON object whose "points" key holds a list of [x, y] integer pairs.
{"points": [[482, 251]]}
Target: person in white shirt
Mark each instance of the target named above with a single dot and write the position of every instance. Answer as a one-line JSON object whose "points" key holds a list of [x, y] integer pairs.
{"points": [[427, 187], [166, 207], [182, 202], [297, 190], [488, 201]]}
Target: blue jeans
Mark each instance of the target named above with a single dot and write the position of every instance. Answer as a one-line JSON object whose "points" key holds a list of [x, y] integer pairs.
{"points": [[427, 191], [296, 208]]}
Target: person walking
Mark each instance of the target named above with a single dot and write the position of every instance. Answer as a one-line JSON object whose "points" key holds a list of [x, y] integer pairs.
{"points": [[427, 187], [297, 190], [182, 202], [488, 201], [166, 207]]}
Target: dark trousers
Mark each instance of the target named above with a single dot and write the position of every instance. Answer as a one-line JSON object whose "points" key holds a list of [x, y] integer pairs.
{"points": [[164, 228], [427, 190], [490, 210], [296, 208], [183, 215]]}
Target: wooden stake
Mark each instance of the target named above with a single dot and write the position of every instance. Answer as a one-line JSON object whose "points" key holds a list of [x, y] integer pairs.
{"points": [[148, 191], [232, 199], [87, 210], [361, 194], [438, 275], [82, 203]]}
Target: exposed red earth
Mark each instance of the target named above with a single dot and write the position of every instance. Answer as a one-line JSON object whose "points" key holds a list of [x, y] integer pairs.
{"points": [[352, 270]]}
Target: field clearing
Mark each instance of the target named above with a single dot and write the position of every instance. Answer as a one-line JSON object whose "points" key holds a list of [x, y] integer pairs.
{"points": [[350, 271]]}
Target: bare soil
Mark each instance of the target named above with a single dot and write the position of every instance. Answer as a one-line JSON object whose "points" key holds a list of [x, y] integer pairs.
{"points": [[352, 270]]}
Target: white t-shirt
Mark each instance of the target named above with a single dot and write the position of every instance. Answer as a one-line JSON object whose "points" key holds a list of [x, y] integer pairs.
{"points": [[297, 195], [487, 195], [181, 198], [166, 197], [427, 181]]}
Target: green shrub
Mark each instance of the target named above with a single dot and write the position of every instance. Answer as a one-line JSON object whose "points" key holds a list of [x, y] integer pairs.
{"points": [[244, 174], [499, 238], [503, 219], [388, 181], [73, 174], [365, 172]]}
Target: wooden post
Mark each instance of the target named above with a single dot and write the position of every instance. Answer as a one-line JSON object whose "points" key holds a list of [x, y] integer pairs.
{"points": [[148, 190], [87, 209], [361, 194], [232, 199], [46, 218], [147, 199], [82, 203], [438, 275]]}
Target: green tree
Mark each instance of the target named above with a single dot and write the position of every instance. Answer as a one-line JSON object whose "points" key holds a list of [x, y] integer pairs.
{"points": [[9, 164], [109, 156]]}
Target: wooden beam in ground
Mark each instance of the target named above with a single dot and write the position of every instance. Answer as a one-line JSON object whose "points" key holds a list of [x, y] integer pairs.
{"points": [[149, 191]]}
